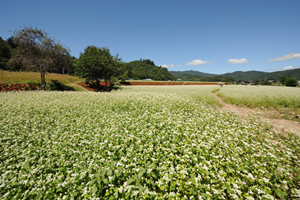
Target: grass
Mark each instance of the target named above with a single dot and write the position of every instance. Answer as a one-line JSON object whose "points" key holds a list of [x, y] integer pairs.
{"points": [[35, 77]]}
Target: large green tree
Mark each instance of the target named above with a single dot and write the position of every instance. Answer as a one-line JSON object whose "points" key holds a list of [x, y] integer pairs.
{"points": [[37, 50], [292, 82], [97, 63]]}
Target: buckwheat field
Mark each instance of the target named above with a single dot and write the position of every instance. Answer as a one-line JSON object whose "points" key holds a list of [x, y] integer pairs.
{"points": [[163, 142], [263, 96]]}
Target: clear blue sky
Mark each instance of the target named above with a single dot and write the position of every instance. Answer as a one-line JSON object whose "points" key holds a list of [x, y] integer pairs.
{"points": [[207, 36]]}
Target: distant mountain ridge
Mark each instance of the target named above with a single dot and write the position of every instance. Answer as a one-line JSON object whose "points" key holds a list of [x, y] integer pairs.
{"points": [[237, 75], [192, 72]]}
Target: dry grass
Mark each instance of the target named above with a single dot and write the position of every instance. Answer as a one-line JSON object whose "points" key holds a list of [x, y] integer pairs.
{"points": [[23, 77]]}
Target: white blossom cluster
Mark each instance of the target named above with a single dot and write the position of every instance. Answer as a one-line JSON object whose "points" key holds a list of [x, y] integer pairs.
{"points": [[139, 143], [262, 97]]}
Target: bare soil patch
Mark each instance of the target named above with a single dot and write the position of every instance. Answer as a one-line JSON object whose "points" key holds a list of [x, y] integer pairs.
{"points": [[267, 116]]}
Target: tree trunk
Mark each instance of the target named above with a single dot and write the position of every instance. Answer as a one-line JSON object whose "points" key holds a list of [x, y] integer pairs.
{"points": [[105, 79], [43, 79], [105, 84]]}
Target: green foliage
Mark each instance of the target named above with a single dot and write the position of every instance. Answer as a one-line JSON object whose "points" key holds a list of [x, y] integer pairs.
{"points": [[266, 82], [36, 50], [240, 75], [97, 63], [189, 77], [5, 54], [292, 82], [144, 69], [192, 72], [283, 79]]}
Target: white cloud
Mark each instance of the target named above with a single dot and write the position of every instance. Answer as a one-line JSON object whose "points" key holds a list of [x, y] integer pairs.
{"points": [[197, 62], [238, 61], [286, 57], [285, 68], [167, 65], [288, 67], [178, 65]]}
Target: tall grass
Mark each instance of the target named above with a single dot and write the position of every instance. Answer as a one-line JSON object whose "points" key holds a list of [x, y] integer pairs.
{"points": [[24, 77]]}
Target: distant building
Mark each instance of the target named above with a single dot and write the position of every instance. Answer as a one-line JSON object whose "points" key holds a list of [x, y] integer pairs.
{"points": [[179, 79]]}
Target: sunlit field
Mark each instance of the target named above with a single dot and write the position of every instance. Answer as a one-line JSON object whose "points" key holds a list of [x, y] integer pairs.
{"points": [[263, 96], [166, 142], [24, 77]]}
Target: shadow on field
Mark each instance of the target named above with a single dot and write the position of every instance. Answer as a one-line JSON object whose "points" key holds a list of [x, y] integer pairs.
{"points": [[55, 85]]}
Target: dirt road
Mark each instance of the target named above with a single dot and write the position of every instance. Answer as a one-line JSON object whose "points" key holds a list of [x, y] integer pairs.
{"points": [[280, 125]]}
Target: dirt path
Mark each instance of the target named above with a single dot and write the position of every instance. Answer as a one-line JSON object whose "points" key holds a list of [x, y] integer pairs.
{"points": [[280, 125]]}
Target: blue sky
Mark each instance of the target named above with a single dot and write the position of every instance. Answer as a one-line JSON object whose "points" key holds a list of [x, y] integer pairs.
{"points": [[208, 36]]}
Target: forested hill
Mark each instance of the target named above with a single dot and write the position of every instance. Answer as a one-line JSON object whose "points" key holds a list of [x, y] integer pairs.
{"points": [[146, 69], [253, 75], [238, 75], [192, 72], [249, 75]]}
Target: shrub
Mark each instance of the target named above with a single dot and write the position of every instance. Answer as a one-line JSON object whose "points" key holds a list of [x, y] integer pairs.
{"points": [[292, 82]]}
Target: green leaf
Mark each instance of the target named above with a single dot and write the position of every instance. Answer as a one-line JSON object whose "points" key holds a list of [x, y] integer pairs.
{"points": [[103, 171], [94, 189], [281, 193], [130, 181], [106, 181], [140, 174], [141, 189], [109, 172], [92, 181]]}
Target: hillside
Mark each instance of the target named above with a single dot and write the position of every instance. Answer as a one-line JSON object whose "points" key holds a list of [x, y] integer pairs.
{"points": [[249, 75], [192, 72], [189, 77], [144, 69], [238, 75]]}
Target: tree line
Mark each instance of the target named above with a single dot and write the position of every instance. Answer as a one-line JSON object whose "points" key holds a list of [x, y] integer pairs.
{"points": [[32, 49]]}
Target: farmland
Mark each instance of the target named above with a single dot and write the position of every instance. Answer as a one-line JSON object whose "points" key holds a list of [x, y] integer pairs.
{"points": [[25, 77], [264, 96], [284, 100], [141, 142]]}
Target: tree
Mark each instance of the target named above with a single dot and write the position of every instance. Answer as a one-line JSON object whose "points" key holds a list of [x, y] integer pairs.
{"points": [[12, 42], [292, 82], [283, 79], [257, 82], [37, 50], [5, 54], [96, 64]]}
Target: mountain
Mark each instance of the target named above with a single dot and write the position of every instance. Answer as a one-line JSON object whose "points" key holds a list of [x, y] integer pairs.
{"points": [[189, 77], [249, 75], [192, 72], [237, 75]]}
